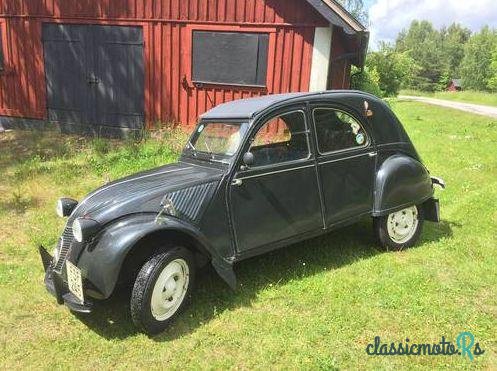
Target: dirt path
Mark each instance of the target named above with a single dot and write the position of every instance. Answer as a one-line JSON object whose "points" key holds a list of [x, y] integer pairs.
{"points": [[468, 107]]}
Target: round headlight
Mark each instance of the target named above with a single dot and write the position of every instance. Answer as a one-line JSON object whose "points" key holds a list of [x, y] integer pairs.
{"points": [[59, 209], [65, 206], [77, 231]]}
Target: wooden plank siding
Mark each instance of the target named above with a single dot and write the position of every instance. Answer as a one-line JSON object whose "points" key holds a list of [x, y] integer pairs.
{"points": [[170, 96]]}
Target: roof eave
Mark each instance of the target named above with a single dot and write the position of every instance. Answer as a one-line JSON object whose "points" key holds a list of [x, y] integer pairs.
{"points": [[337, 15]]}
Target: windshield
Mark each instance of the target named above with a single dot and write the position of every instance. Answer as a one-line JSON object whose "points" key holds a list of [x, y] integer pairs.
{"points": [[218, 138]]}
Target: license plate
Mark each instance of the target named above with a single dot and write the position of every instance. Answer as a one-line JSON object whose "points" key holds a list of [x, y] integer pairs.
{"points": [[74, 281]]}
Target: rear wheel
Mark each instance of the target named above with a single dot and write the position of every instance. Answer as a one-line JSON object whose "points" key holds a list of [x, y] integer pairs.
{"points": [[161, 289], [400, 229]]}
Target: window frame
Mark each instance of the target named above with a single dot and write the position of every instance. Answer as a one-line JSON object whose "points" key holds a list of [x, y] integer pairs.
{"points": [[307, 132], [363, 127], [187, 58]]}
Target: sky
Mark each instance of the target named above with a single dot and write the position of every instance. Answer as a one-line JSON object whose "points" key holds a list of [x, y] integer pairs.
{"points": [[388, 17]]}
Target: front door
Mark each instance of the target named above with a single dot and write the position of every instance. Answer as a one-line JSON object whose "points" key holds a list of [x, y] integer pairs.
{"points": [[346, 163], [277, 197], [94, 75]]}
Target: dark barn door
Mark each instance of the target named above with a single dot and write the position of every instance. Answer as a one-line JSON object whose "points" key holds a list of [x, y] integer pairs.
{"points": [[95, 75]]}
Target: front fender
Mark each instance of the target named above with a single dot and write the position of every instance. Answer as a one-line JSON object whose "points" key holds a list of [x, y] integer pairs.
{"points": [[101, 262], [401, 181]]}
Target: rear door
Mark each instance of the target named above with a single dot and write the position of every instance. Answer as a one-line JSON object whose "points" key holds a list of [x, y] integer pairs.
{"points": [[346, 162]]}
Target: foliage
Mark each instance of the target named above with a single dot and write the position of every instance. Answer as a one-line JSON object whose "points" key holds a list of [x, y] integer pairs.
{"points": [[422, 42], [316, 304], [366, 80], [386, 71], [476, 65], [492, 81]]}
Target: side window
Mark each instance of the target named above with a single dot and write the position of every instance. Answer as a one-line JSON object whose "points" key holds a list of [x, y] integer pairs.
{"points": [[337, 130], [281, 139]]}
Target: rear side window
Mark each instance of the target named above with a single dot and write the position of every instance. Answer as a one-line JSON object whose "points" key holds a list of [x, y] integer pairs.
{"points": [[233, 58], [337, 130], [281, 139]]}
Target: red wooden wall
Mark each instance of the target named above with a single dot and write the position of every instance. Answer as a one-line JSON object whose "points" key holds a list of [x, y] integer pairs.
{"points": [[167, 27]]}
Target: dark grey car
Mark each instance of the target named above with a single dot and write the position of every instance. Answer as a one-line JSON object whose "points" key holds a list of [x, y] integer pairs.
{"points": [[256, 175]]}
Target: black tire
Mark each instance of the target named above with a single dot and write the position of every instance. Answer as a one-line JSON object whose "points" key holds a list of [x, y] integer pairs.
{"points": [[387, 242], [141, 296]]}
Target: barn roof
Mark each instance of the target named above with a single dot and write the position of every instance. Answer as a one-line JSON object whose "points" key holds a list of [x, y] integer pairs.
{"points": [[249, 107], [354, 30], [337, 15]]}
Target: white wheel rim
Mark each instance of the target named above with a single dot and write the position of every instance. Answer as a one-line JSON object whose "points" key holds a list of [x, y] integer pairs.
{"points": [[170, 289], [402, 225]]}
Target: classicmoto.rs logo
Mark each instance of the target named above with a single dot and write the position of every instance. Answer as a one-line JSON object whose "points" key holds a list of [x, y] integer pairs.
{"points": [[464, 346]]}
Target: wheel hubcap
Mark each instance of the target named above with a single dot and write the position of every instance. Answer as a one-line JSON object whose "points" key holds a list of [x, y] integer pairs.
{"points": [[170, 289], [402, 225]]}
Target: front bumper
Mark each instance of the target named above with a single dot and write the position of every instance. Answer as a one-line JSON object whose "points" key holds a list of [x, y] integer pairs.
{"points": [[57, 287]]}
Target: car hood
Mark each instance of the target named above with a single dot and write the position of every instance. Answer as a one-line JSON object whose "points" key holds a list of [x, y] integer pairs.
{"points": [[143, 192]]}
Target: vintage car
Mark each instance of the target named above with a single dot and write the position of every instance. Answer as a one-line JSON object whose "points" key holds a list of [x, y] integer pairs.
{"points": [[257, 174]]}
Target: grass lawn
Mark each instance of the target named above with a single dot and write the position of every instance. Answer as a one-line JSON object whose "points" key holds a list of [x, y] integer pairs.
{"points": [[468, 96], [313, 305]]}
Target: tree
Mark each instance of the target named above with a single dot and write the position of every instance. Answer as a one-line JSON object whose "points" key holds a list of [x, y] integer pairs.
{"points": [[476, 69], [421, 42], [356, 8], [492, 82], [394, 69], [453, 40], [366, 80], [386, 71]]}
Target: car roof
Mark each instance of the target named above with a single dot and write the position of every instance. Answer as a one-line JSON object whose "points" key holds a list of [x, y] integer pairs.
{"points": [[250, 107]]}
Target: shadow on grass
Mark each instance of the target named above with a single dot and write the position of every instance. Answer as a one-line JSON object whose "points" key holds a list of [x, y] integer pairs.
{"points": [[112, 320]]}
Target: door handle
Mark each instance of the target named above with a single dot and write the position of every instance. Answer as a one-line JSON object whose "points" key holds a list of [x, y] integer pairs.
{"points": [[237, 182], [372, 154]]}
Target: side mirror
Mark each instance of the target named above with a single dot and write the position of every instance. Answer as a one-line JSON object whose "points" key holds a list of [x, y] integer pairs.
{"points": [[248, 160]]}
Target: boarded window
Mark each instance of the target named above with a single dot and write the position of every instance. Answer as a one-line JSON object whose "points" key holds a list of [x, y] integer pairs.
{"points": [[231, 58], [2, 62]]}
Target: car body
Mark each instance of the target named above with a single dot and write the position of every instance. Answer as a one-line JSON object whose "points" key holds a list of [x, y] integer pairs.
{"points": [[256, 175]]}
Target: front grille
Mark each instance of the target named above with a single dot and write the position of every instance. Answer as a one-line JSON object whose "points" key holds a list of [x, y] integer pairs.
{"points": [[64, 244]]}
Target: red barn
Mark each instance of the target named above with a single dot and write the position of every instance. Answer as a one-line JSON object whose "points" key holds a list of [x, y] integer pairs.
{"points": [[102, 66]]}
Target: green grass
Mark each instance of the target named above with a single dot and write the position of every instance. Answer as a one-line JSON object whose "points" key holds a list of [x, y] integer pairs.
{"points": [[467, 96], [313, 305]]}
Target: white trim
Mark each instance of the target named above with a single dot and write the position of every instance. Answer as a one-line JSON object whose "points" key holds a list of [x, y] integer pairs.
{"points": [[320, 59]]}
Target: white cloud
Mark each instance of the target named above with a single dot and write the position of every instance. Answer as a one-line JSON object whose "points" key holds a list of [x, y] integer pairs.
{"points": [[388, 17]]}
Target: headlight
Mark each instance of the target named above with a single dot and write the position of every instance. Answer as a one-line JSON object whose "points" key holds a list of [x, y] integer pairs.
{"points": [[83, 229], [65, 206]]}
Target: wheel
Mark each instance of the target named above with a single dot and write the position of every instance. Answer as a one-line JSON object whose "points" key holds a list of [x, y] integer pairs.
{"points": [[161, 289], [400, 229]]}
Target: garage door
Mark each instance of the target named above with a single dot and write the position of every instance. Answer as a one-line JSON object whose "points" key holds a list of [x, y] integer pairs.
{"points": [[94, 75]]}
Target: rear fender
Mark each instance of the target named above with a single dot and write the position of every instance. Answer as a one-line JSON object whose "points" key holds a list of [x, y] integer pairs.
{"points": [[401, 181]]}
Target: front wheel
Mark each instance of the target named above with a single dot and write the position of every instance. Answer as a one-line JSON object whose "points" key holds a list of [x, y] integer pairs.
{"points": [[400, 229], [161, 289]]}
